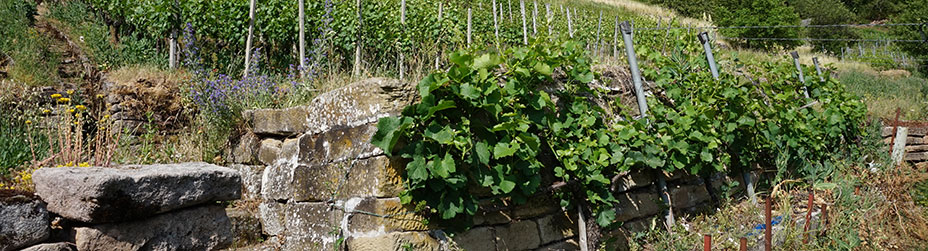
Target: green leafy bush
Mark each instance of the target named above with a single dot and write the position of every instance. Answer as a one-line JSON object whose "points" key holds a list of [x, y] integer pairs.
{"points": [[824, 12], [914, 12], [758, 13]]}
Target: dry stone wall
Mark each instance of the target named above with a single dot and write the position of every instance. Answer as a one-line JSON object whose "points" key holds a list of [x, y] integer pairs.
{"points": [[320, 183], [911, 140]]}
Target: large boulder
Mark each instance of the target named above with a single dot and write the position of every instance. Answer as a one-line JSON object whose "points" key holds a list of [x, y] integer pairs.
{"points": [[101, 195], [199, 228], [23, 221]]}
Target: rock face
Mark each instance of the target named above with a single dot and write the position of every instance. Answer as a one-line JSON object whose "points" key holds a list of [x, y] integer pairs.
{"points": [[102, 195], [60, 246], [23, 222], [199, 228]]}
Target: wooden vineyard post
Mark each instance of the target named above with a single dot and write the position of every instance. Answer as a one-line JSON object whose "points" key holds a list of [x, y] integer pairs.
{"points": [[615, 39], [704, 39], [805, 228], [302, 41], [802, 79], [469, 28], [496, 24], [548, 17], [570, 27], [768, 229], [599, 29], [818, 68], [438, 57], [402, 61], [524, 26], [707, 242], [509, 4], [251, 27], [357, 47], [744, 244], [172, 43], [534, 16]]}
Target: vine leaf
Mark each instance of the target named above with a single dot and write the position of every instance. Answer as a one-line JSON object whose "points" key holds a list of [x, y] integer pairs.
{"points": [[605, 217], [483, 152], [506, 186], [417, 170], [389, 130], [503, 149]]}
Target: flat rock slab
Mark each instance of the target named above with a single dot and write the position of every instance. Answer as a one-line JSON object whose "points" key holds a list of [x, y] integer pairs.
{"points": [[103, 195], [60, 246], [23, 222], [199, 228]]}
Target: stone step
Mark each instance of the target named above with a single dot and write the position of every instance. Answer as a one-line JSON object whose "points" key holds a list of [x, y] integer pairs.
{"points": [[23, 221], [199, 228], [101, 195]]}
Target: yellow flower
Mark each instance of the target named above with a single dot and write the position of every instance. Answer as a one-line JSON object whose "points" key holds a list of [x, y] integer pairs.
{"points": [[80, 107], [46, 111], [28, 122], [83, 164], [99, 95], [106, 116], [70, 92], [56, 95], [71, 110], [64, 100], [75, 123], [102, 128], [77, 115]]}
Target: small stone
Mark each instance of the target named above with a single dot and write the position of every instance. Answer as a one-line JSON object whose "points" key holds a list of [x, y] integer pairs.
{"points": [[23, 222], [520, 235], [479, 238], [394, 241], [198, 228], [60, 246], [269, 151], [100, 195]]}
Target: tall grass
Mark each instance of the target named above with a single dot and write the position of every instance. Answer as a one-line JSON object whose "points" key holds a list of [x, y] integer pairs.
{"points": [[22, 48], [883, 94]]}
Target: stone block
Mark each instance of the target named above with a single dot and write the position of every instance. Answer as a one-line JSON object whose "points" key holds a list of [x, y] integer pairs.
{"points": [[199, 228], [493, 217], [479, 238], [23, 222], [685, 196], [251, 180], [278, 122], [317, 182], [246, 227], [290, 149], [634, 179], [269, 151], [637, 204], [916, 140], [565, 245], [311, 224], [922, 156], [396, 241], [643, 224], [556, 227], [245, 150], [361, 102], [338, 144], [916, 148], [273, 217], [402, 217], [520, 235], [537, 205], [100, 195], [276, 181], [60, 246], [887, 131], [374, 177]]}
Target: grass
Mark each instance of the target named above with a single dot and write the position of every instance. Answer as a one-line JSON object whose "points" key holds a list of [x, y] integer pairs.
{"points": [[884, 94], [23, 50]]}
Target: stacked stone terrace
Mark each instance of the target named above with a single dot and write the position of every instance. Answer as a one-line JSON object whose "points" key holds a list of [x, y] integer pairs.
{"points": [[320, 183]]}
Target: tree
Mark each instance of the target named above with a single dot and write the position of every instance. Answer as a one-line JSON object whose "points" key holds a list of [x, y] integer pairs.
{"points": [[758, 13], [875, 9], [914, 12], [824, 12]]}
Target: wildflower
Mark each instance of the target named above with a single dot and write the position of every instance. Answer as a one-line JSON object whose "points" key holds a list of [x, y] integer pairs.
{"points": [[70, 110], [28, 122], [46, 111], [77, 115], [83, 164], [106, 116], [75, 123], [81, 107], [56, 96], [64, 100], [70, 92], [100, 96]]}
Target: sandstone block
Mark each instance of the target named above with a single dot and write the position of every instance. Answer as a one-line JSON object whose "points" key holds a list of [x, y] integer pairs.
{"points": [[245, 150], [251, 180], [685, 196], [922, 156], [311, 224], [634, 179], [23, 222], [279, 122], [338, 144], [100, 195], [359, 103], [269, 151], [402, 217], [916, 148], [199, 228], [520, 235], [273, 217], [60, 246], [396, 241], [480, 238], [246, 228], [637, 204], [556, 227]]}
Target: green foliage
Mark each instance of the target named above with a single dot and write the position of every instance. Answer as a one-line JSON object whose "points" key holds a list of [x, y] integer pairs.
{"points": [[23, 49], [876, 9], [689, 8], [883, 95], [824, 12], [90, 31], [914, 12], [758, 13]]}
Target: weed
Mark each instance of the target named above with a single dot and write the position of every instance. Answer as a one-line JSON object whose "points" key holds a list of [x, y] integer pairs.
{"points": [[23, 49]]}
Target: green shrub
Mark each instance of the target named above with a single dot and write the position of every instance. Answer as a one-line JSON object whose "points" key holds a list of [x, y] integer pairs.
{"points": [[758, 13], [823, 12], [915, 11], [689, 8]]}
